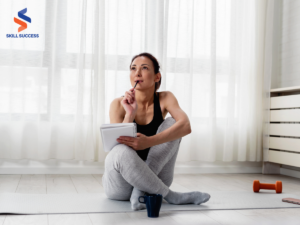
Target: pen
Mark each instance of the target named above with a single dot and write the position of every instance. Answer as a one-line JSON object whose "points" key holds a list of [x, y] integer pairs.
{"points": [[135, 84]]}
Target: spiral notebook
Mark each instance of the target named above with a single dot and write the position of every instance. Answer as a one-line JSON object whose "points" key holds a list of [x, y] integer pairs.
{"points": [[110, 133]]}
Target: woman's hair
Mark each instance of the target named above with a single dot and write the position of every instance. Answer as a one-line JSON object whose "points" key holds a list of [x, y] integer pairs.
{"points": [[155, 64]]}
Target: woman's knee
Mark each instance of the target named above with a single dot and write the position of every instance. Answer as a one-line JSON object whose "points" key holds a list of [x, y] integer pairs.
{"points": [[119, 154], [170, 121], [120, 150]]}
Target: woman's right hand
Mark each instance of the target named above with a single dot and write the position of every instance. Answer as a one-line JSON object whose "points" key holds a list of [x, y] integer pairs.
{"points": [[129, 102]]}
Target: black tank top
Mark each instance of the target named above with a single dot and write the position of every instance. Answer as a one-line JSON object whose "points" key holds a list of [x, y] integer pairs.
{"points": [[151, 128]]}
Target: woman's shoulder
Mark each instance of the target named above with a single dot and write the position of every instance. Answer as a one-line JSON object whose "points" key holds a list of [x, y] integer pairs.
{"points": [[118, 100], [166, 98], [163, 95], [117, 104]]}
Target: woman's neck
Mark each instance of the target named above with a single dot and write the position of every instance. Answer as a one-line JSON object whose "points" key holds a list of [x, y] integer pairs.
{"points": [[144, 99]]}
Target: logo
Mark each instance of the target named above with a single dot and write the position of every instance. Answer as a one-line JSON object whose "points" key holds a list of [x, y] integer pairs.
{"points": [[22, 24]]}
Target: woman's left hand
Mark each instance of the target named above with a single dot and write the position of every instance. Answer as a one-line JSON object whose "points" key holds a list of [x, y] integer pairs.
{"points": [[140, 142]]}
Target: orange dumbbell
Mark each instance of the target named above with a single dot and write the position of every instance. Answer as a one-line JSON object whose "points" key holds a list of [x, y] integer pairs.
{"points": [[277, 186]]}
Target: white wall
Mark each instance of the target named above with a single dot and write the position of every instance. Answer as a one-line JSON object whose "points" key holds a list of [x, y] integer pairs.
{"points": [[286, 53], [287, 31]]}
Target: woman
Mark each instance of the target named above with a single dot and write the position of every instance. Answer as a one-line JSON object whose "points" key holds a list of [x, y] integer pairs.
{"points": [[146, 163]]}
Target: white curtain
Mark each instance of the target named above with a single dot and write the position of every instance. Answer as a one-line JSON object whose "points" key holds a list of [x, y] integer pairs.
{"points": [[55, 90], [271, 64]]}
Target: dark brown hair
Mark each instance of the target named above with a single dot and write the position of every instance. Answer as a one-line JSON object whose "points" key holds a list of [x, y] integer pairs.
{"points": [[155, 64]]}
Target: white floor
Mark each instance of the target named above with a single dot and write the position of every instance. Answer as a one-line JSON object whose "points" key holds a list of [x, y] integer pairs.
{"points": [[61, 184]]}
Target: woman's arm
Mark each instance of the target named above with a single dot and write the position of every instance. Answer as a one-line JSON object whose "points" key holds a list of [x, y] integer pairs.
{"points": [[178, 130], [181, 127]]}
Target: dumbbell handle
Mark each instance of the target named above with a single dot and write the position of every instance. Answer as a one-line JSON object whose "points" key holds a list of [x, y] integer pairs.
{"points": [[267, 186]]}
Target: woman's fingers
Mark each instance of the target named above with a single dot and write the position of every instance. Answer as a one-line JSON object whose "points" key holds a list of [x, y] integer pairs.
{"points": [[129, 99], [129, 96], [130, 93]]}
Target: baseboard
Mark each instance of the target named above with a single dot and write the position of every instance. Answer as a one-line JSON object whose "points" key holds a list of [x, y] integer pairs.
{"points": [[53, 170], [179, 169], [289, 172], [217, 169], [100, 170], [85, 167]]}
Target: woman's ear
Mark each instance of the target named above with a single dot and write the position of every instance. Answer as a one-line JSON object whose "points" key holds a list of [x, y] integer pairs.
{"points": [[158, 77]]}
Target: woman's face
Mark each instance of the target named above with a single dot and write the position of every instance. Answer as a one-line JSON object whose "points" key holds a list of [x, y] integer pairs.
{"points": [[142, 69]]}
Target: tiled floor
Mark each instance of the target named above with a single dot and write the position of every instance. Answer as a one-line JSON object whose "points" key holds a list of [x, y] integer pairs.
{"points": [[61, 184]]}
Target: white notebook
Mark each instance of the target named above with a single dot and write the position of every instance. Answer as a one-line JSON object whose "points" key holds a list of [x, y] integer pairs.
{"points": [[110, 133]]}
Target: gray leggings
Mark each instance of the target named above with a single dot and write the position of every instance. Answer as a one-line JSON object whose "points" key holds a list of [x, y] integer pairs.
{"points": [[124, 169]]}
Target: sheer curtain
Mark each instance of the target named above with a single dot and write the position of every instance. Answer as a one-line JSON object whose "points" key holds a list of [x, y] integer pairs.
{"points": [[55, 90]]}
